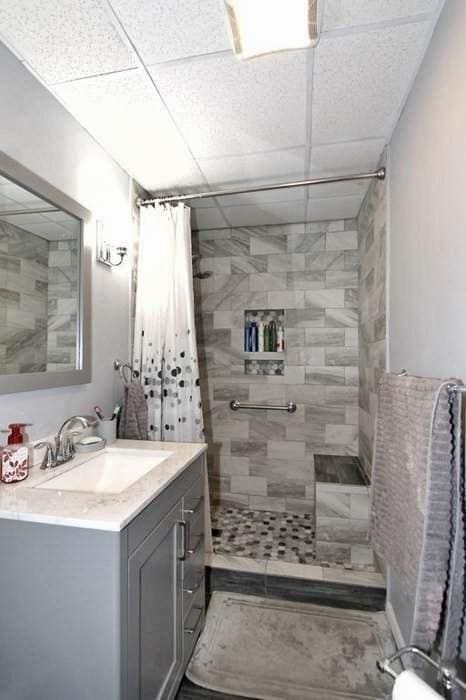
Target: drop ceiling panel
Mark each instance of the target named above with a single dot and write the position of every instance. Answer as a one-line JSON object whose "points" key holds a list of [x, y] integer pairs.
{"points": [[225, 107], [338, 189], [164, 31], [349, 157], [341, 14], [125, 114], [64, 40], [265, 214], [361, 81], [254, 170], [333, 208]]}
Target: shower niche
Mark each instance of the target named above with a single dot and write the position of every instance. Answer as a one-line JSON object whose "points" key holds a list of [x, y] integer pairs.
{"points": [[264, 342]]}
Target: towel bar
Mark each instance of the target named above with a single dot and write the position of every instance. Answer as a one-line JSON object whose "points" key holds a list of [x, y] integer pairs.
{"points": [[448, 678], [289, 407]]}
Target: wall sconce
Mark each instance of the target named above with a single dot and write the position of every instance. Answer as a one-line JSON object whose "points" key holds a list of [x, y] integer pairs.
{"points": [[107, 253]]}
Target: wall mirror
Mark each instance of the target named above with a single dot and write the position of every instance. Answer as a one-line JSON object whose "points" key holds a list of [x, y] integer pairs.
{"points": [[44, 284]]}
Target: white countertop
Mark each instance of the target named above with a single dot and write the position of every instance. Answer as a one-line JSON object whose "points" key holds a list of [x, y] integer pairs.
{"points": [[23, 501]]}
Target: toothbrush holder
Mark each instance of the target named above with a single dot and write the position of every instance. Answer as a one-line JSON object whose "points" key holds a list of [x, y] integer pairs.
{"points": [[107, 429]]}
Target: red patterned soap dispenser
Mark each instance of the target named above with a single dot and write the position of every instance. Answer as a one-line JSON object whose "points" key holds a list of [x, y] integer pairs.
{"points": [[15, 457]]}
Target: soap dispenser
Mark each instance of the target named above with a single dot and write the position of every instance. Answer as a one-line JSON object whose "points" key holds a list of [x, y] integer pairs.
{"points": [[15, 456]]}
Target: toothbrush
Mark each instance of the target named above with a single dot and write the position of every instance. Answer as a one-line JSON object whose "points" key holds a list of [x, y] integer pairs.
{"points": [[99, 413], [116, 412]]}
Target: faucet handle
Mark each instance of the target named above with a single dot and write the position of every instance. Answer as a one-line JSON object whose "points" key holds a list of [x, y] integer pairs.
{"points": [[49, 459]]}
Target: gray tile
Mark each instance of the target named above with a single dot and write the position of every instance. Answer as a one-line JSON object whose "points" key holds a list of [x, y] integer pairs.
{"points": [[286, 263], [325, 375], [268, 282], [285, 489], [248, 264], [250, 485], [325, 336], [306, 280], [249, 448], [347, 240], [341, 357], [306, 243], [325, 299], [326, 261], [341, 279], [304, 318], [269, 245], [335, 318], [323, 414]]}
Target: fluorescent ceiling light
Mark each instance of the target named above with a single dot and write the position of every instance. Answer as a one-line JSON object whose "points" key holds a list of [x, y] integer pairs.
{"points": [[264, 26]]}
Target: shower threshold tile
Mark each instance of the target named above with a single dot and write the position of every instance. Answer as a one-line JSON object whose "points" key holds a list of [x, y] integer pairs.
{"points": [[233, 563], [359, 578], [292, 570]]}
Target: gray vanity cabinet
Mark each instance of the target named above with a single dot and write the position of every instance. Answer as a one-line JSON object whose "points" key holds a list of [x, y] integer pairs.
{"points": [[101, 615], [155, 609]]}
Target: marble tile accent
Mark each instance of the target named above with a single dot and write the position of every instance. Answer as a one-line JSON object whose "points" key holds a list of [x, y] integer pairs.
{"points": [[347, 240], [248, 264], [325, 299], [278, 267], [341, 357], [325, 375], [293, 570], [305, 318], [372, 293]]}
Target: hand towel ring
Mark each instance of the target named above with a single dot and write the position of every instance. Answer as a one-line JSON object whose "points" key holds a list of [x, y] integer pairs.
{"points": [[124, 368]]}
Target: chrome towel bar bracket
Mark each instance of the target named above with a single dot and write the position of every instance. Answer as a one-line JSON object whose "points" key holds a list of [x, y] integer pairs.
{"points": [[238, 405], [447, 677]]}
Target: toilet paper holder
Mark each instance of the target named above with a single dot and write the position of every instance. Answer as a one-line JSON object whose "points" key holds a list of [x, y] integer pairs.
{"points": [[447, 677]]}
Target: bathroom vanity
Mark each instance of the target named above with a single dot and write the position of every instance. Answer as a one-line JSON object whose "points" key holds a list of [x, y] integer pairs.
{"points": [[103, 589]]}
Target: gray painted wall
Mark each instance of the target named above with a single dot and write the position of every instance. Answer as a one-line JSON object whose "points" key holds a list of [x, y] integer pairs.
{"points": [[427, 214], [39, 133], [427, 210]]}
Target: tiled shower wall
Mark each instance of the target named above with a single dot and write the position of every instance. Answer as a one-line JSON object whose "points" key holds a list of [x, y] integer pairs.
{"points": [[264, 459], [372, 300], [23, 300], [63, 305]]}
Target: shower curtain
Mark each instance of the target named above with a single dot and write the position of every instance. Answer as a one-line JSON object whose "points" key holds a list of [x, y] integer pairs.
{"points": [[164, 348]]}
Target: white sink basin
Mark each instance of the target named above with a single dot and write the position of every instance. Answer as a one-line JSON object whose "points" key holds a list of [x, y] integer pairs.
{"points": [[111, 471]]}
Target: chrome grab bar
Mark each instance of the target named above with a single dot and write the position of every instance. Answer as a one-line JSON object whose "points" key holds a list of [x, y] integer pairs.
{"points": [[237, 405]]}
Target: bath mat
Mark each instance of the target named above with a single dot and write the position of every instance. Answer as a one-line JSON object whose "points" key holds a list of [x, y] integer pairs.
{"points": [[278, 650]]}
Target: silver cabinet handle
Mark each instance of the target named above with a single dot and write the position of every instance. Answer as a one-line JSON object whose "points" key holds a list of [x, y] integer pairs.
{"points": [[192, 630], [182, 526], [196, 509]]}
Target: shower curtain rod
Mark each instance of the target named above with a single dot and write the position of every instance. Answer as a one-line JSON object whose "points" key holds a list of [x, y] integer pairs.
{"points": [[377, 174]]}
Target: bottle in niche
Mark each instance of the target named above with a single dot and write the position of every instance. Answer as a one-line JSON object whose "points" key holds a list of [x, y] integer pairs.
{"points": [[254, 338], [272, 336], [15, 456], [247, 337], [266, 337], [280, 339], [260, 333]]}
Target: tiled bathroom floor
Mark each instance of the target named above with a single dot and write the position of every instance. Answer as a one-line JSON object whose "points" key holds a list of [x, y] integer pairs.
{"points": [[264, 534]]}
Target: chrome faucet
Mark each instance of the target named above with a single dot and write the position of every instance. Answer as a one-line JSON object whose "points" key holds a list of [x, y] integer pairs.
{"points": [[62, 449]]}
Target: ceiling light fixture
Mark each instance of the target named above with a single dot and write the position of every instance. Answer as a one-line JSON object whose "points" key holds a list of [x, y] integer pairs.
{"points": [[260, 27]]}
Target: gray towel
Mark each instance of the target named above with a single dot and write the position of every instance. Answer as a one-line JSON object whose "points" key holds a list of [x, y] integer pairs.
{"points": [[134, 416], [450, 647], [412, 493]]}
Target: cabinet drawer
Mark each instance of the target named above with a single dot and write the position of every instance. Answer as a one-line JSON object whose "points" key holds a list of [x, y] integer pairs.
{"points": [[192, 629], [194, 499], [194, 598]]}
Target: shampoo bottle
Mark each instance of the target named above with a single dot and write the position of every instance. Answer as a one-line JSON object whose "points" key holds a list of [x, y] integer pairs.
{"points": [[15, 456], [272, 336]]}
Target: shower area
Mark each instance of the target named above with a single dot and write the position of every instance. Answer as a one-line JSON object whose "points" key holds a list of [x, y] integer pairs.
{"points": [[293, 486]]}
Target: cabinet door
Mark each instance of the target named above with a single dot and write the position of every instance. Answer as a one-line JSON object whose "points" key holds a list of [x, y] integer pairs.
{"points": [[155, 612]]}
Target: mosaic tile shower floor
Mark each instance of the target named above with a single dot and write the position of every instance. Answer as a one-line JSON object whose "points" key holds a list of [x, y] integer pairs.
{"points": [[263, 534]]}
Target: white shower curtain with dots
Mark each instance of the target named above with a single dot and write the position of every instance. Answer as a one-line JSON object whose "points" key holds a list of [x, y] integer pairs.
{"points": [[165, 351]]}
